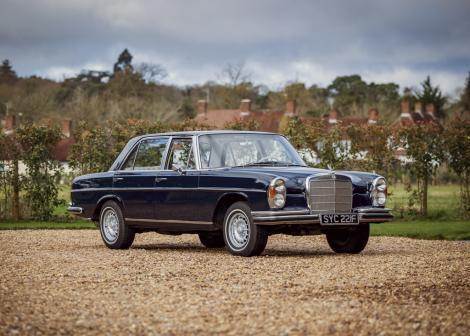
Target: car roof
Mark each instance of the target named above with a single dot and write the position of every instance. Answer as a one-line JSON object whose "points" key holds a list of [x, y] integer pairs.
{"points": [[190, 133]]}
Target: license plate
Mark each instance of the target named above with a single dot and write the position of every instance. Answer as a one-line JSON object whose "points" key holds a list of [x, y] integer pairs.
{"points": [[339, 219]]}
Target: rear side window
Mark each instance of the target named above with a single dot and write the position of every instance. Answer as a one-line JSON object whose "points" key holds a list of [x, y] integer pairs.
{"points": [[147, 156], [181, 154]]}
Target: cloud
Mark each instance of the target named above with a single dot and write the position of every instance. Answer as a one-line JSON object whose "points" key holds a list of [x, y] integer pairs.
{"points": [[279, 40]]}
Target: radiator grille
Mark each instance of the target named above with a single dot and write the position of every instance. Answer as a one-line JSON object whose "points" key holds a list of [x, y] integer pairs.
{"points": [[329, 193]]}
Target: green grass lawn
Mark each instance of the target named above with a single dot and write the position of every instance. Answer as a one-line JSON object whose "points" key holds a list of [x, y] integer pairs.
{"points": [[35, 225], [443, 221], [424, 229]]}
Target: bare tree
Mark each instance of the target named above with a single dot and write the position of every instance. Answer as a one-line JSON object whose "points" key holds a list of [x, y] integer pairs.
{"points": [[151, 73], [235, 73]]}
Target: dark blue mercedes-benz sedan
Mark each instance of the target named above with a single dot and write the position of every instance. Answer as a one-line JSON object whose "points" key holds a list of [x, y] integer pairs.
{"points": [[232, 188]]}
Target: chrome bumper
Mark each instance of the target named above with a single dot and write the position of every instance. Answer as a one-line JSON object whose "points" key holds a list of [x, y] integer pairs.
{"points": [[75, 210], [366, 215]]}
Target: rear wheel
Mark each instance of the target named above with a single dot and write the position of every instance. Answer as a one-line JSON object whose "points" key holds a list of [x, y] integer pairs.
{"points": [[116, 234], [242, 237], [345, 241], [212, 239]]}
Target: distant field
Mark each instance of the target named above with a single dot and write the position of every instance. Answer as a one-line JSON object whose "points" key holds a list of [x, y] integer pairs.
{"points": [[443, 201]]}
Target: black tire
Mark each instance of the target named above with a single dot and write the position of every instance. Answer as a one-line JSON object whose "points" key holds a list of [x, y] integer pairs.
{"points": [[212, 239], [345, 241], [124, 236], [255, 238]]}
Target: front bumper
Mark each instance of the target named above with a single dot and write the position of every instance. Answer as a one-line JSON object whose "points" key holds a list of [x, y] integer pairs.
{"points": [[366, 215]]}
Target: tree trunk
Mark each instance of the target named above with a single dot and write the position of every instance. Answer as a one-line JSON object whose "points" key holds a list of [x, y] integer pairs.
{"points": [[16, 191], [424, 200]]}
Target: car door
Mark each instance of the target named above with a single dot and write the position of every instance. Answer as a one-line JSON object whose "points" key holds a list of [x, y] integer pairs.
{"points": [[134, 183], [177, 184]]}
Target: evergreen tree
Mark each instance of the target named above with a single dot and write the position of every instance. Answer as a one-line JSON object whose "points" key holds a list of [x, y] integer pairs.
{"points": [[7, 74], [465, 98], [124, 62], [430, 94]]}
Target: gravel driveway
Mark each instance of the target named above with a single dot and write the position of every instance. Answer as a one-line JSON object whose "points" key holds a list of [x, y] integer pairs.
{"points": [[67, 282]]}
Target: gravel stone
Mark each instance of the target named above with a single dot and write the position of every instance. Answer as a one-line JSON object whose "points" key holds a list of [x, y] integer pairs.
{"points": [[68, 282]]}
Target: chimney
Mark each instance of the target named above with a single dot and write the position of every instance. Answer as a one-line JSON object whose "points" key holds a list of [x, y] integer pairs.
{"points": [[430, 109], [373, 116], [201, 108], [10, 123], [405, 109], [245, 108], [333, 117], [291, 108], [418, 108], [66, 128]]}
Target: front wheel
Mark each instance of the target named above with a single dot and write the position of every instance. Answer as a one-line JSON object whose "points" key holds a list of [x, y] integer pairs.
{"points": [[345, 241], [116, 234], [242, 237]]}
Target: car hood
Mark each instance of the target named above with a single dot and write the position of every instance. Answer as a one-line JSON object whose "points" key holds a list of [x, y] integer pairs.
{"points": [[295, 176]]}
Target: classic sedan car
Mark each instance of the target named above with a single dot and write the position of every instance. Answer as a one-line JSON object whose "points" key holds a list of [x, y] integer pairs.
{"points": [[232, 188]]}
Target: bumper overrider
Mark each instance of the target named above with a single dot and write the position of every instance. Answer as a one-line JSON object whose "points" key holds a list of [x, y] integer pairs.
{"points": [[75, 210], [366, 215]]}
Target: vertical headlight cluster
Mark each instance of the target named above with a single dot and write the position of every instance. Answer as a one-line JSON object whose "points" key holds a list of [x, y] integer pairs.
{"points": [[277, 193], [379, 192]]}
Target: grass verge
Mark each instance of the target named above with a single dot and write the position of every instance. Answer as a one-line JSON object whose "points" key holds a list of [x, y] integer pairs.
{"points": [[424, 229], [34, 225]]}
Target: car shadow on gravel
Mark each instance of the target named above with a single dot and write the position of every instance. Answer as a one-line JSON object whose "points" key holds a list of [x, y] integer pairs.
{"points": [[268, 252], [179, 247], [319, 253]]}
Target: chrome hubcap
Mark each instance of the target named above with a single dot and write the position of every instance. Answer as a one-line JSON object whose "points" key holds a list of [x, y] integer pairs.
{"points": [[238, 229], [110, 225]]}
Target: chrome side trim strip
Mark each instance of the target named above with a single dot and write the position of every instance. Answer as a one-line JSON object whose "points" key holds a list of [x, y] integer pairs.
{"points": [[166, 221], [75, 210], [168, 189]]}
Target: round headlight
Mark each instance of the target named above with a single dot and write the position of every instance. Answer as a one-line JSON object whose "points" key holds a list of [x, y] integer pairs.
{"points": [[379, 192], [277, 193]]}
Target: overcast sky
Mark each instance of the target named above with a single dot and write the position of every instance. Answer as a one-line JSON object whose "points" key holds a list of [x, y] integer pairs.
{"points": [[279, 40]]}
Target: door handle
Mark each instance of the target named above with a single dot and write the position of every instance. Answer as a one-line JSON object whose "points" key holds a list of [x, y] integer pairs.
{"points": [[160, 179], [117, 179]]}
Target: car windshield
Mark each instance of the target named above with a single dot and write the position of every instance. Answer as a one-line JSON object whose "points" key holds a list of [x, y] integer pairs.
{"points": [[246, 149]]}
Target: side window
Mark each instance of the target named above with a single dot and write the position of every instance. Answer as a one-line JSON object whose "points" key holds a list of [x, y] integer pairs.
{"points": [[149, 155], [181, 154]]}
